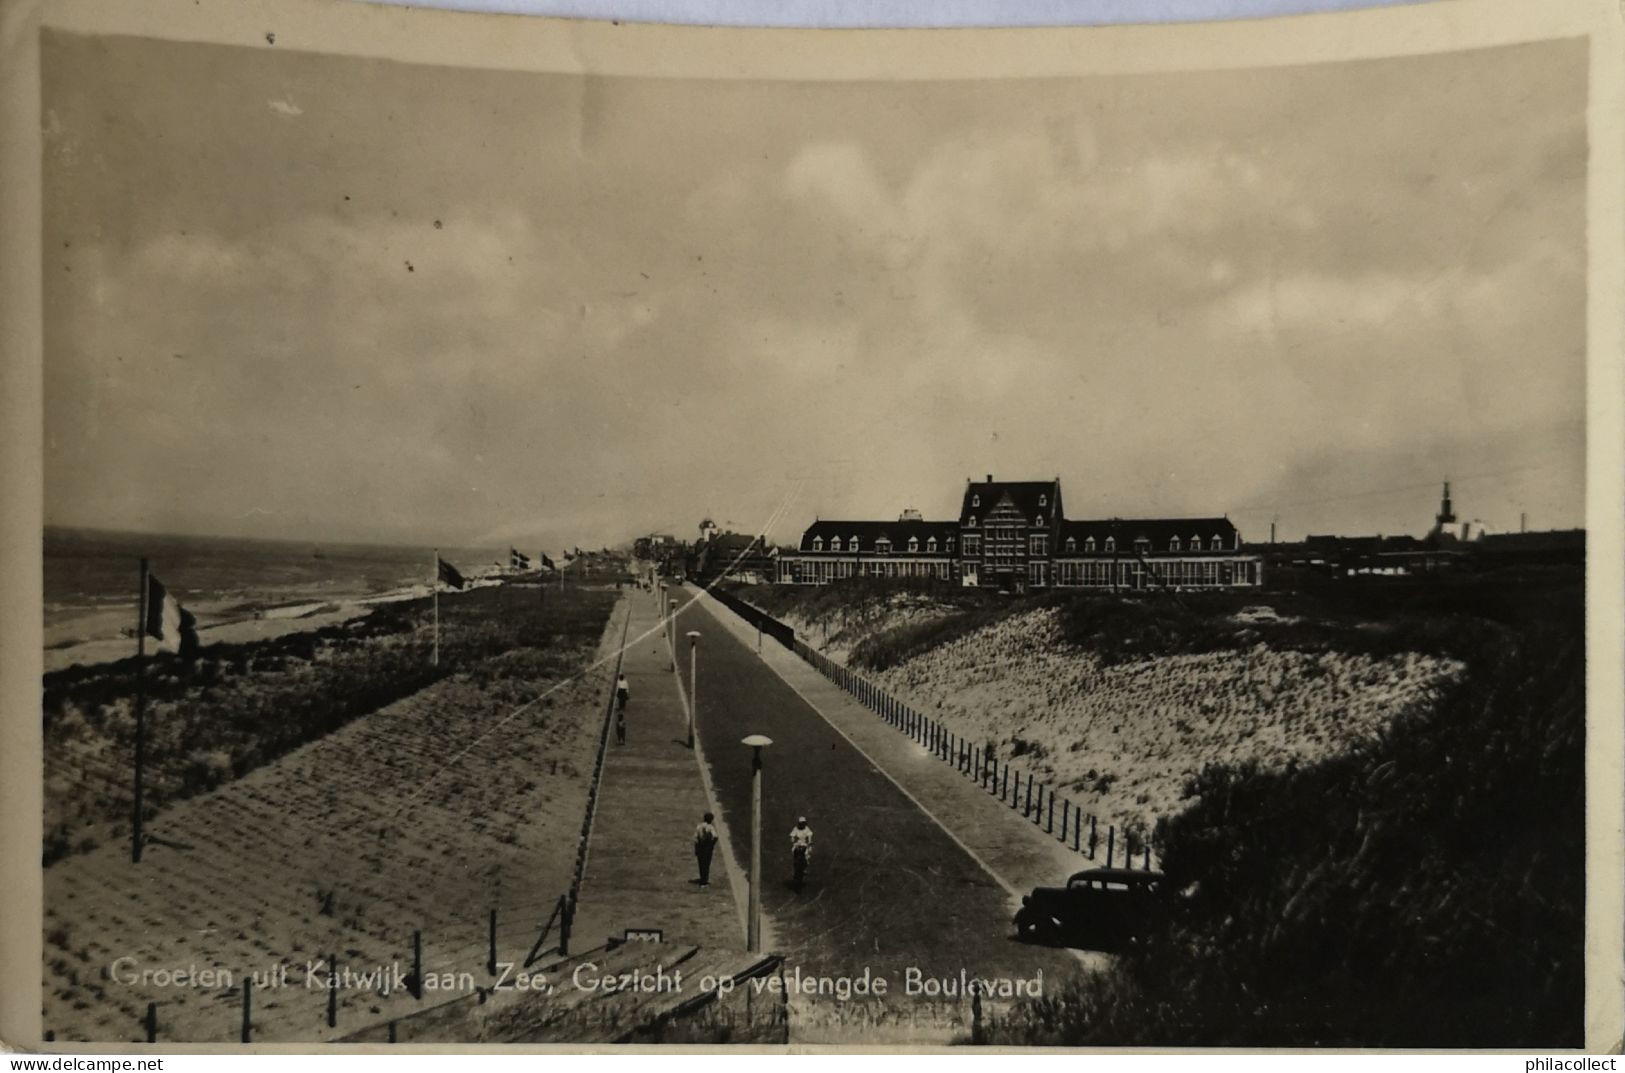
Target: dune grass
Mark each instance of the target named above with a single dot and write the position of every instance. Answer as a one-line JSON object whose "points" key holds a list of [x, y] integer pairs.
{"points": [[1426, 889], [238, 706]]}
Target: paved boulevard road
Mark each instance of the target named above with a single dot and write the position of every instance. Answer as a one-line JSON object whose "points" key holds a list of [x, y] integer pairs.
{"points": [[887, 888]]}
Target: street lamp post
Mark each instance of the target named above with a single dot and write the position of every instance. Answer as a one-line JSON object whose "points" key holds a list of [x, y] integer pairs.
{"points": [[753, 922], [693, 681], [671, 631]]}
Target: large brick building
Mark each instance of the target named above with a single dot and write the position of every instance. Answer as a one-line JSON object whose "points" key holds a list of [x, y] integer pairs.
{"points": [[1014, 535]]}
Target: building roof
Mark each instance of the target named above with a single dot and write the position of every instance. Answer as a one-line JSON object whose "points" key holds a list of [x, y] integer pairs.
{"points": [[1159, 531], [1031, 498], [868, 533], [1547, 540], [1365, 544]]}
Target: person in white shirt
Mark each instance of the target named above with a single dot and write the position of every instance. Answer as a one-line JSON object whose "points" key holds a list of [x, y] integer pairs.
{"points": [[800, 850]]}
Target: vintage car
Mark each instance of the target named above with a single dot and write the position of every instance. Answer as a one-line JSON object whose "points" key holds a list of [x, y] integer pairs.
{"points": [[1098, 909]]}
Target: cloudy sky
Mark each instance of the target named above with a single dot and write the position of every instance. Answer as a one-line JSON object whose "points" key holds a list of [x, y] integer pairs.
{"points": [[323, 297]]}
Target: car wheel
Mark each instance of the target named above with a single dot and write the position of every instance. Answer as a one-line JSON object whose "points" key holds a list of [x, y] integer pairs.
{"points": [[1031, 928]]}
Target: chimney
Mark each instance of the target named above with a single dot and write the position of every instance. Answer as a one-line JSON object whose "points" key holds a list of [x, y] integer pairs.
{"points": [[1523, 523], [990, 478]]}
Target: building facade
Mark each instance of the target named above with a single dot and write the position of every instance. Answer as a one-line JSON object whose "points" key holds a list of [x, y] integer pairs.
{"points": [[1014, 536]]}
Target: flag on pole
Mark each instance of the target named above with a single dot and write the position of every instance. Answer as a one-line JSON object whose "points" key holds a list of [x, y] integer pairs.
{"points": [[170, 624], [547, 563], [518, 559], [449, 574]]}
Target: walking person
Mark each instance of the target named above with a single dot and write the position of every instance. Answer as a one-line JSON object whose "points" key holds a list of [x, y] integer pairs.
{"points": [[800, 851], [623, 693], [705, 844]]}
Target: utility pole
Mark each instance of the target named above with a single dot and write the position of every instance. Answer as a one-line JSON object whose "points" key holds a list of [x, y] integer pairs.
{"points": [[140, 714]]}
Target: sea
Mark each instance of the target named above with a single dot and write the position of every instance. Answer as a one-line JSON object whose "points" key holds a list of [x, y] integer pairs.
{"points": [[239, 589]]}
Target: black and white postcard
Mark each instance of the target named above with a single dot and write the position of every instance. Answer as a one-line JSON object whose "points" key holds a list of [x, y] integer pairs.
{"points": [[544, 532]]}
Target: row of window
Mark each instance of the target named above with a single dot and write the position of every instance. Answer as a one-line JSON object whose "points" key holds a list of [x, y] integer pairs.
{"points": [[823, 571], [1126, 574], [1038, 522], [1183, 574], [883, 546], [1143, 544], [1003, 540], [975, 501]]}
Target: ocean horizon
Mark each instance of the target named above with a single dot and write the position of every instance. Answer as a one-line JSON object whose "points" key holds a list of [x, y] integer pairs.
{"points": [[92, 578]]}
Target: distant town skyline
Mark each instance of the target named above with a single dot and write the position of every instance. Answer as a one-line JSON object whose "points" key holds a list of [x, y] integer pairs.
{"points": [[318, 297]]}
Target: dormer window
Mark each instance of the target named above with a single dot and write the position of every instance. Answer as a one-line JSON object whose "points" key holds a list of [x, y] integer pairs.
{"points": [[1089, 544], [913, 543], [1173, 545], [1039, 521], [818, 543], [1142, 544], [1043, 501], [950, 544], [1217, 544], [1071, 543], [973, 521], [1111, 543], [1196, 543], [883, 546], [975, 501], [931, 545], [852, 544]]}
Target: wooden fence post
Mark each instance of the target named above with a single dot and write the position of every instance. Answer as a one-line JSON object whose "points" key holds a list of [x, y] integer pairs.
{"points": [[152, 1022], [1093, 838], [248, 1011], [1049, 827], [417, 965], [1148, 855], [1077, 825], [332, 991], [1066, 807], [1028, 809], [1111, 838], [1004, 793], [491, 960]]}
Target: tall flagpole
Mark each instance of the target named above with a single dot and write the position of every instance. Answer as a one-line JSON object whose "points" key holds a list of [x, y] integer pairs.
{"points": [[140, 714], [435, 581]]}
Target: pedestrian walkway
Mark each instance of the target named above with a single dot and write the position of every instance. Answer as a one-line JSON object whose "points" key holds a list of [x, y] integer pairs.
{"points": [[641, 873], [1012, 849]]}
